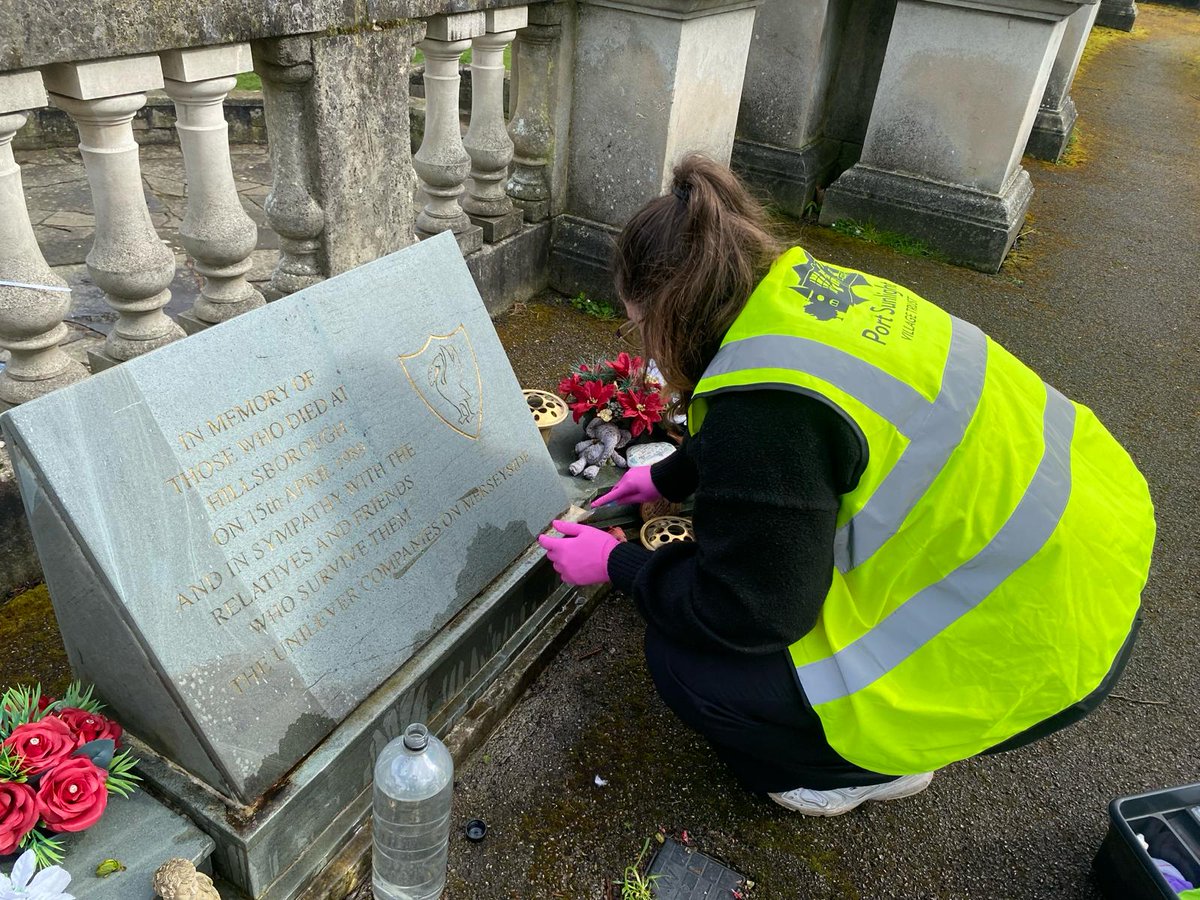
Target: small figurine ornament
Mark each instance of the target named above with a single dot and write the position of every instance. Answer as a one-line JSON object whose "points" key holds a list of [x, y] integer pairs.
{"points": [[177, 879], [605, 438]]}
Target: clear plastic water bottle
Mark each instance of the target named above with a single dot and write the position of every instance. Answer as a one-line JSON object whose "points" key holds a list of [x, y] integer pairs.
{"points": [[414, 780]]}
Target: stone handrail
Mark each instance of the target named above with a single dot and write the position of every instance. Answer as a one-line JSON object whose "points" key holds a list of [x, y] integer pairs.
{"points": [[37, 34]]}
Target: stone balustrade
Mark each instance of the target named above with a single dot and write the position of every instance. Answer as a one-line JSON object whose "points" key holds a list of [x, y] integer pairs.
{"points": [[344, 178]]}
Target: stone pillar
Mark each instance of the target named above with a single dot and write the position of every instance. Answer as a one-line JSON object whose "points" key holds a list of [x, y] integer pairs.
{"points": [[442, 163], [960, 87], [338, 125], [33, 300], [541, 86], [487, 141], [286, 69], [1118, 14], [1056, 117], [782, 147], [216, 231], [654, 80], [127, 261]]}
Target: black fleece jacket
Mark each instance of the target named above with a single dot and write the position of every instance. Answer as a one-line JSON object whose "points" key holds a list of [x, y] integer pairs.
{"points": [[767, 470]]}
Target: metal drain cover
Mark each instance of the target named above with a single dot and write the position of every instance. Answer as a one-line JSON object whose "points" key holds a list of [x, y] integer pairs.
{"points": [[690, 875]]}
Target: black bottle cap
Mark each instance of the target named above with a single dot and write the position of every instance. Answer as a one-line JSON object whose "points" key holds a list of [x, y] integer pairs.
{"points": [[476, 830]]}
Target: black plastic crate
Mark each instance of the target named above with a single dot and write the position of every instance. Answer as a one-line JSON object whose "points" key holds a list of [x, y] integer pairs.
{"points": [[1169, 820]]}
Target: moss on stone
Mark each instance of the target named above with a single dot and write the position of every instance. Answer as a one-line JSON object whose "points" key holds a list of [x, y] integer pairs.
{"points": [[30, 646]]}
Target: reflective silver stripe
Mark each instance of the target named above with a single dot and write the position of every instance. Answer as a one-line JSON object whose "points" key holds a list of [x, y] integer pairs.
{"points": [[927, 613], [935, 433], [887, 395]]}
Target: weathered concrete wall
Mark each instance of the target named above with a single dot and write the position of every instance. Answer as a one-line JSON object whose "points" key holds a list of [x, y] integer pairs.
{"points": [[72, 30]]}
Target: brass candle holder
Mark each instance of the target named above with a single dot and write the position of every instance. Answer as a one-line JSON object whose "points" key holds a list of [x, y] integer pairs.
{"points": [[547, 409], [667, 530]]}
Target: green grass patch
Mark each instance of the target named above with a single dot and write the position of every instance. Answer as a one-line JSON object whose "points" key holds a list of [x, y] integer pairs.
{"points": [[901, 243], [249, 81], [600, 309]]}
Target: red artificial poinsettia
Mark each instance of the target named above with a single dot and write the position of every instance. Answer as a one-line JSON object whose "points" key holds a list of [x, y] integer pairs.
{"points": [[615, 389], [592, 396], [624, 366], [643, 407]]}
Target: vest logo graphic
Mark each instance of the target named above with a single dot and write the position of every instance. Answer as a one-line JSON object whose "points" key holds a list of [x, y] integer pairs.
{"points": [[445, 374], [827, 289]]}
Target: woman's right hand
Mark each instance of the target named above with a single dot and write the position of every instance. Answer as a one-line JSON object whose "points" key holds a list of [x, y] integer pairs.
{"points": [[635, 486]]}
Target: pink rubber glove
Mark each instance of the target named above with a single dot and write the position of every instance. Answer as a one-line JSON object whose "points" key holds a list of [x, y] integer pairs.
{"points": [[635, 486], [582, 556]]}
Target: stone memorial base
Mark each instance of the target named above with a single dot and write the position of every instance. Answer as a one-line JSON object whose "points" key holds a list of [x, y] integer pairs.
{"points": [[970, 228], [273, 851], [497, 228], [469, 239], [534, 210], [1051, 131], [581, 258], [190, 324], [98, 361], [142, 834], [789, 177], [1118, 14]]}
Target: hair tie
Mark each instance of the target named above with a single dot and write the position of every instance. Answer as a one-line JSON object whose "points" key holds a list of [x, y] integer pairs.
{"points": [[682, 191]]}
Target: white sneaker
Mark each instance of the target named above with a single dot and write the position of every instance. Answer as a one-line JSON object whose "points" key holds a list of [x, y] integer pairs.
{"points": [[842, 800]]}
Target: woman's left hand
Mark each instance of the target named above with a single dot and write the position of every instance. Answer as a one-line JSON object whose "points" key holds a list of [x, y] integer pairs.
{"points": [[582, 556]]}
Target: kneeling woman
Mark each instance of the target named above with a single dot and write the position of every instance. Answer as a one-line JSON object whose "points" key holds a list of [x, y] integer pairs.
{"points": [[909, 548]]}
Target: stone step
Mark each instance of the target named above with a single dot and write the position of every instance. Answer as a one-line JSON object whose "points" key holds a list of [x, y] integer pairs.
{"points": [[142, 834]]}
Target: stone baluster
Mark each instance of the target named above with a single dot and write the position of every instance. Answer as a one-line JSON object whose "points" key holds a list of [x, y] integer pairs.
{"points": [[442, 163], [216, 231], [487, 141], [1056, 117], [532, 128], [286, 68], [33, 299], [127, 261]]}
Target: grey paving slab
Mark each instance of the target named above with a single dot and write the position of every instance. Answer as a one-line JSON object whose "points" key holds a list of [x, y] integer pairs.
{"points": [[141, 834]]}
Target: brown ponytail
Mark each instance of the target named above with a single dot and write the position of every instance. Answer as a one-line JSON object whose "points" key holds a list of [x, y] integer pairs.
{"points": [[688, 261]]}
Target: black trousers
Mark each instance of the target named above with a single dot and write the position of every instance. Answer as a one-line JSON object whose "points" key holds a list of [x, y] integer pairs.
{"points": [[754, 714]]}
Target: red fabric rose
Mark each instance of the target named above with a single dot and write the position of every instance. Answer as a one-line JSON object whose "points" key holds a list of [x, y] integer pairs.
{"points": [[18, 814], [72, 796], [89, 726], [42, 744], [43, 702], [644, 407]]}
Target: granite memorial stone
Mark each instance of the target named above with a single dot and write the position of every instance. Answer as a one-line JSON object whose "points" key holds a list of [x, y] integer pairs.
{"points": [[245, 533]]}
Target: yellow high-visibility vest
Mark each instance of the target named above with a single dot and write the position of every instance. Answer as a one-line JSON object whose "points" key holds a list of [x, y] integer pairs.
{"points": [[990, 560]]}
